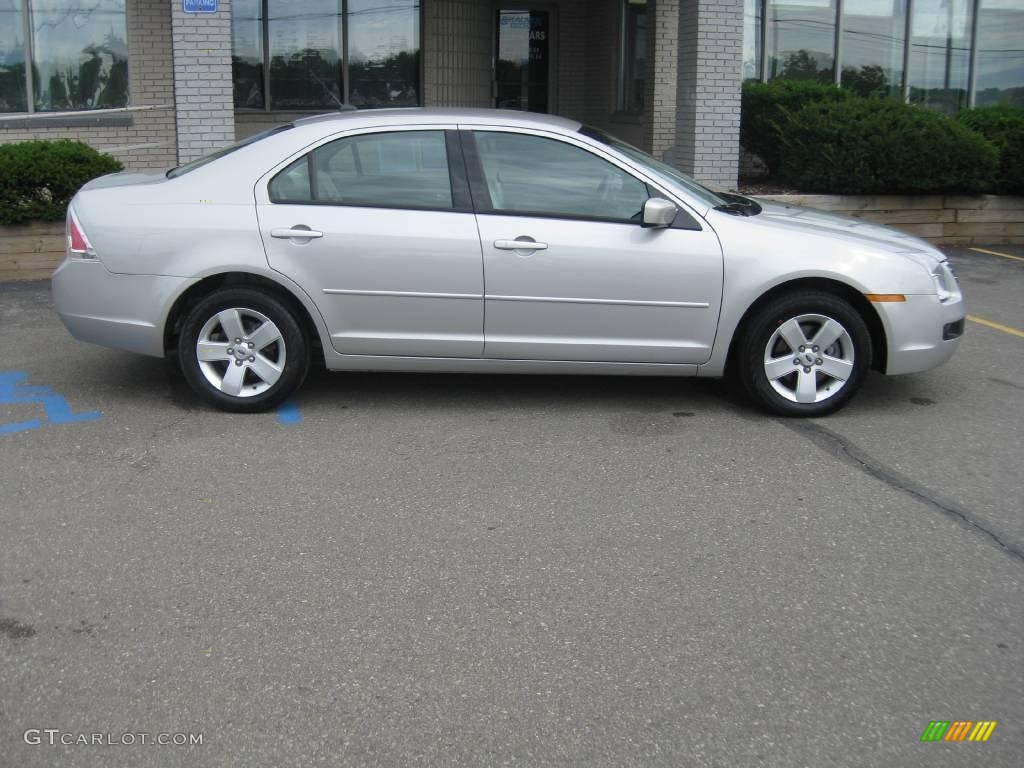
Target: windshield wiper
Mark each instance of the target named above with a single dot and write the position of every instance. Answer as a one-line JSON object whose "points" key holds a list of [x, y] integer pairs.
{"points": [[736, 209], [738, 205]]}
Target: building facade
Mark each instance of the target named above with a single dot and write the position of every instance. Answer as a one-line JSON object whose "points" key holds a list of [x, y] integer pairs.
{"points": [[159, 82]]}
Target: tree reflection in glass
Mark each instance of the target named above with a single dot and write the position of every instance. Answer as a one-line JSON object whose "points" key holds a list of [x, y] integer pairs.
{"points": [[80, 57], [305, 65], [383, 52], [12, 58]]}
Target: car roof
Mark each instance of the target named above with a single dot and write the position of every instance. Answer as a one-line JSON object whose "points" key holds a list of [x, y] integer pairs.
{"points": [[419, 115]]}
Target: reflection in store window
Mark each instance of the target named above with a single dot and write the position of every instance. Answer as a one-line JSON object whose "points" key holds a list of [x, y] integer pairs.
{"points": [[307, 44], [383, 57], [305, 59], [874, 33], [801, 40], [633, 77], [12, 58], [247, 52], [1000, 59], [940, 46], [752, 40], [79, 55]]}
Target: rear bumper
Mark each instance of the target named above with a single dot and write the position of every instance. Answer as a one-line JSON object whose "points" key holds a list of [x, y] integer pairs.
{"points": [[915, 329], [113, 310]]}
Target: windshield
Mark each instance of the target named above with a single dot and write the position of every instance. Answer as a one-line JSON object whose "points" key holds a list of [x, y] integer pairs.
{"points": [[181, 170], [656, 167]]}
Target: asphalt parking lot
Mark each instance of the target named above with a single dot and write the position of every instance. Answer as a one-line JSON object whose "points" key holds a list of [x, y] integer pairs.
{"points": [[480, 570]]}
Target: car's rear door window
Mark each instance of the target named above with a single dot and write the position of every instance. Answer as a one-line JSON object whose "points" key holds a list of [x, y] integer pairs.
{"points": [[534, 175], [399, 169]]}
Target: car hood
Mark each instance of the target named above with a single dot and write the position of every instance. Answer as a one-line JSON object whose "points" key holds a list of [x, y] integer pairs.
{"points": [[812, 221]]}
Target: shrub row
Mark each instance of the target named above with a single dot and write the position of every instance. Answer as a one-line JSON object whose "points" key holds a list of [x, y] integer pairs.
{"points": [[41, 177], [1003, 126], [820, 138]]}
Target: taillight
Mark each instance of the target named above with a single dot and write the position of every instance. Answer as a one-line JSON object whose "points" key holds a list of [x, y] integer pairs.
{"points": [[78, 244]]}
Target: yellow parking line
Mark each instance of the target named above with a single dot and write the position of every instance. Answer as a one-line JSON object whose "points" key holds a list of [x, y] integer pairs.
{"points": [[997, 326], [997, 253]]}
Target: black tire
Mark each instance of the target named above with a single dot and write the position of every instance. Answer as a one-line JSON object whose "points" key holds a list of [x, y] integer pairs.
{"points": [[760, 329], [295, 350]]}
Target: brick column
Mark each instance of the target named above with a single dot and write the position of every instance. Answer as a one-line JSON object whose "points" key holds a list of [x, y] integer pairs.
{"points": [[662, 71], [203, 90], [708, 90], [457, 44]]}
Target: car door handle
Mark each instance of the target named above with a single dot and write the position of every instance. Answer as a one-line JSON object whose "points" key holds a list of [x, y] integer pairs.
{"points": [[295, 232], [520, 245]]}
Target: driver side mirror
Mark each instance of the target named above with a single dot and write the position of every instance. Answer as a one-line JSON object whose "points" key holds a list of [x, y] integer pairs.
{"points": [[659, 212]]}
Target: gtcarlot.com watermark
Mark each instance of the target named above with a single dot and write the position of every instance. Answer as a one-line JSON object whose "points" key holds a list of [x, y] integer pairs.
{"points": [[55, 736]]}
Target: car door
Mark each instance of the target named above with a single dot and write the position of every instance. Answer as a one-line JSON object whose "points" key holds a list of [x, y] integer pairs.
{"points": [[570, 273], [377, 227]]}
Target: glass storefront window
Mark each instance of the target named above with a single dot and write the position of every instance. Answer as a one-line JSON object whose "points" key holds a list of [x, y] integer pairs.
{"points": [[874, 49], [12, 57], [801, 40], [999, 67], [633, 77], [874, 33], [384, 53], [752, 39], [940, 52], [308, 42], [247, 52], [79, 55], [305, 54]]}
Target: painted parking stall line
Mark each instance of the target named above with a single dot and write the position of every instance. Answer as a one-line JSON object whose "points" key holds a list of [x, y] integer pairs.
{"points": [[997, 253], [996, 326], [56, 409]]}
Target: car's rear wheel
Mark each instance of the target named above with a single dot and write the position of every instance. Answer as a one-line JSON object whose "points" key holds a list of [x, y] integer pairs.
{"points": [[804, 354], [242, 350]]}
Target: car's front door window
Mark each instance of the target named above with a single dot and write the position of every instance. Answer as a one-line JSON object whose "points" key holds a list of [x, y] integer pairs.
{"points": [[534, 175]]}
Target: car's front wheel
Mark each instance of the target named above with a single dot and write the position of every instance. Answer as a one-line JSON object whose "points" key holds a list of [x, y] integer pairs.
{"points": [[804, 354], [242, 350]]}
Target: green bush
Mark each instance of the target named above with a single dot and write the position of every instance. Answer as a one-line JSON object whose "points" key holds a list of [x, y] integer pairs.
{"points": [[39, 178], [768, 107], [862, 146], [1002, 125]]}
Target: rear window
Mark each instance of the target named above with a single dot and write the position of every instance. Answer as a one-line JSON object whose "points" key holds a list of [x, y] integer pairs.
{"points": [[399, 169], [181, 170]]}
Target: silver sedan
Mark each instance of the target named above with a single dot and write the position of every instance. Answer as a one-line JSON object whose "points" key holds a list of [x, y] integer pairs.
{"points": [[489, 241]]}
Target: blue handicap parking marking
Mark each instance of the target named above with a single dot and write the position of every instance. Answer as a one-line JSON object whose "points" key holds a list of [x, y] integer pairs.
{"points": [[19, 426], [55, 407], [288, 413]]}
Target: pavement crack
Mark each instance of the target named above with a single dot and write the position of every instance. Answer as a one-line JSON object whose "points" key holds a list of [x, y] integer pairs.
{"points": [[846, 451]]}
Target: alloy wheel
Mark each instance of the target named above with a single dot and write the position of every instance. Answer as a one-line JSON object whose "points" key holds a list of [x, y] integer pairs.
{"points": [[241, 352], [809, 358]]}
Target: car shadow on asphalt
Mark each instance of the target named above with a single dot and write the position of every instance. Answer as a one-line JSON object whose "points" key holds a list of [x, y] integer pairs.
{"points": [[139, 379]]}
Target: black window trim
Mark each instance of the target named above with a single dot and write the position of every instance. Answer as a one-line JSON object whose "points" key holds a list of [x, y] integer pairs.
{"points": [[482, 197], [461, 200]]}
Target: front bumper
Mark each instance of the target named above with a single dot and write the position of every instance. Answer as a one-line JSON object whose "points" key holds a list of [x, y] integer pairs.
{"points": [[114, 310], [915, 331]]}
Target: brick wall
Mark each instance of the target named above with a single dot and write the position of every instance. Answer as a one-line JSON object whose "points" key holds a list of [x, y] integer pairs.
{"points": [[457, 45], [708, 90], [660, 97], [204, 114], [141, 137]]}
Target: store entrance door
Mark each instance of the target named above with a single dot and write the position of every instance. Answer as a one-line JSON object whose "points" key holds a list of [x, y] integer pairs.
{"points": [[523, 65]]}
